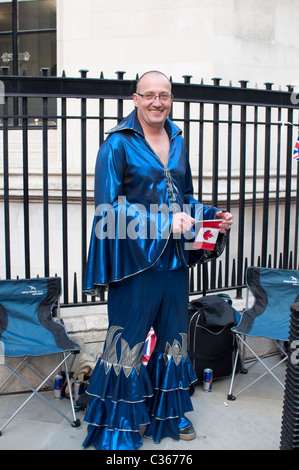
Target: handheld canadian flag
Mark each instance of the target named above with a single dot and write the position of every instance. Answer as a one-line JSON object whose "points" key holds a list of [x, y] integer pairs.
{"points": [[207, 235]]}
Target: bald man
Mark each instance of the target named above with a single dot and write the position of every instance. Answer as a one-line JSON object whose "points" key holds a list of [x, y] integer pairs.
{"points": [[140, 249]]}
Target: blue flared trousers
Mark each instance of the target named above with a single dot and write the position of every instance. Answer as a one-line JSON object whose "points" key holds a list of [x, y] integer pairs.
{"points": [[124, 393]]}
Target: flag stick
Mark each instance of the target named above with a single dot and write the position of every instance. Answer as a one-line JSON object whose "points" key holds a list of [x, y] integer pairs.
{"points": [[208, 220]]}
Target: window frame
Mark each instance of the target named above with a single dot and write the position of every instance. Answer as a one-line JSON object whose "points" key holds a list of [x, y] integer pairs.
{"points": [[15, 68], [15, 33]]}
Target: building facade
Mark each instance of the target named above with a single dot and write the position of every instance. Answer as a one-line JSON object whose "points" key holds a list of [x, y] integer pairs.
{"points": [[201, 40]]}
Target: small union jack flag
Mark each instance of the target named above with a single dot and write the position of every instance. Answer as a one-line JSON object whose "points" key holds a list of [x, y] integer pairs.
{"points": [[296, 150], [149, 346]]}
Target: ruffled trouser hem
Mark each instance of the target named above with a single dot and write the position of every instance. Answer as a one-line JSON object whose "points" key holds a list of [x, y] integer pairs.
{"points": [[156, 396]]}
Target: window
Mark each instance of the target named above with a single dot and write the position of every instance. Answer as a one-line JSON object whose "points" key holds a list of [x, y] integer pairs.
{"points": [[28, 36], [27, 44]]}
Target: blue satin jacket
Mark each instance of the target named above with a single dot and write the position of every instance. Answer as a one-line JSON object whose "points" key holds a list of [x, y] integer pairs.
{"points": [[135, 198]]}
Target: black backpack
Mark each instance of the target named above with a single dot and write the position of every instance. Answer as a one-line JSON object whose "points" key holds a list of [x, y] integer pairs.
{"points": [[211, 344]]}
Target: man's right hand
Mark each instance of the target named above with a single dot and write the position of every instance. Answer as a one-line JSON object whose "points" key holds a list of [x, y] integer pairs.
{"points": [[181, 222]]}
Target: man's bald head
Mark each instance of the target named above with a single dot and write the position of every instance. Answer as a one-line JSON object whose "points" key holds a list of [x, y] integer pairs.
{"points": [[152, 73]]}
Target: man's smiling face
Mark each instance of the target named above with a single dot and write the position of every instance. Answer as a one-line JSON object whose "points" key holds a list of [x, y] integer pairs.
{"points": [[153, 113]]}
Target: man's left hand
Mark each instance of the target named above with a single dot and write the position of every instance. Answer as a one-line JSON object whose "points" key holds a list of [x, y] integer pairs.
{"points": [[227, 220]]}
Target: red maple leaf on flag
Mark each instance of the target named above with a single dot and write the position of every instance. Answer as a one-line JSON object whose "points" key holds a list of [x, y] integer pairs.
{"points": [[207, 234]]}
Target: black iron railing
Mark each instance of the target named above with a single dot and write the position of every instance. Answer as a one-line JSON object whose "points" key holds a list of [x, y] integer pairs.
{"points": [[240, 142]]}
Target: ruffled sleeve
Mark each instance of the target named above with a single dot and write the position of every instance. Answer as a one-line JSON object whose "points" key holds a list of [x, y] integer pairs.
{"points": [[120, 242]]}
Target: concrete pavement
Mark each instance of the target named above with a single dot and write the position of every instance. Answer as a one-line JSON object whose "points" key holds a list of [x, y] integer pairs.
{"points": [[251, 422]]}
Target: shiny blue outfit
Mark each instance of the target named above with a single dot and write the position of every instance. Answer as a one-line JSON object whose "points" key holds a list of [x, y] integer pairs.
{"points": [[147, 278]]}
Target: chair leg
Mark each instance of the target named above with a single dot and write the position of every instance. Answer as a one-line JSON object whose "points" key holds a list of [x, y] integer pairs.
{"points": [[230, 396], [242, 354], [239, 358], [261, 362], [74, 423], [268, 370], [11, 375], [24, 362]]}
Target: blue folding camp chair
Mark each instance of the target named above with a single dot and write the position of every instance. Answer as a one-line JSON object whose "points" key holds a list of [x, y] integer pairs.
{"points": [[27, 329], [274, 290]]}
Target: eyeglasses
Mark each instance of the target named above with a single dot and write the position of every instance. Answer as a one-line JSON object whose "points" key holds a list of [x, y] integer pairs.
{"points": [[152, 96]]}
